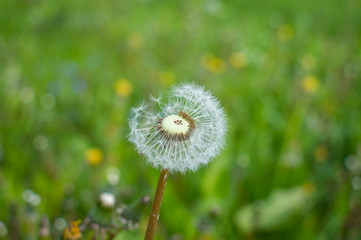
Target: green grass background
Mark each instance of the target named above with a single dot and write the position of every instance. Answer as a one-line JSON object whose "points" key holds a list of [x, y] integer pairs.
{"points": [[291, 167]]}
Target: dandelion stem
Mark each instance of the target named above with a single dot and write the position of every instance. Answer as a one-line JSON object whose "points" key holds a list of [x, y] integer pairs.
{"points": [[154, 215]]}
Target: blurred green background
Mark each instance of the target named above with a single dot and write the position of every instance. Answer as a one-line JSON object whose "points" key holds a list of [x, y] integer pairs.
{"points": [[287, 73]]}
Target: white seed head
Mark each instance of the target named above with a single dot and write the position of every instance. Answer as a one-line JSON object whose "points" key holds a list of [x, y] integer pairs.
{"points": [[186, 131], [107, 200]]}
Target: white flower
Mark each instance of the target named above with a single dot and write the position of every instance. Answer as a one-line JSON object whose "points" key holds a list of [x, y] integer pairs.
{"points": [[107, 200], [185, 133]]}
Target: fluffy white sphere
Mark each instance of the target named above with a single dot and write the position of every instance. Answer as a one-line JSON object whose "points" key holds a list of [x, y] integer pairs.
{"points": [[107, 200], [186, 131]]}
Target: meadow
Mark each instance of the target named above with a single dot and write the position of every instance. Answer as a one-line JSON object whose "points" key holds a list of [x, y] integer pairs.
{"points": [[286, 72]]}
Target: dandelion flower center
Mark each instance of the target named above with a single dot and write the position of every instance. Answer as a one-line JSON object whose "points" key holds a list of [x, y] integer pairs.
{"points": [[175, 124], [176, 127]]}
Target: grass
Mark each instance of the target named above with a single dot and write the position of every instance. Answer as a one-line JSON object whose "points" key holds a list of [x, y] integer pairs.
{"points": [[287, 73]]}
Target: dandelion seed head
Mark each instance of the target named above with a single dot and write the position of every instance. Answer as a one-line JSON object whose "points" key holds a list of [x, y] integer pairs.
{"points": [[107, 200], [156, 99], [185, 133]]}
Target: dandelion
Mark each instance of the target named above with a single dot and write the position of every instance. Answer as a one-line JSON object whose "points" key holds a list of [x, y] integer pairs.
{"points": [[213, 64], [107, 200], [310, 83], [123, 87], [94, 156], [72, 232], [185, 134], [101, 214]]}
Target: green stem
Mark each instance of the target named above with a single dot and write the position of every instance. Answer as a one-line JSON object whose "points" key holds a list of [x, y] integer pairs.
{"points": [[154, 215]]}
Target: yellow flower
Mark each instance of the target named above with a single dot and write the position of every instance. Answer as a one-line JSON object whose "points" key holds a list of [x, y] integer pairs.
{"points": [[72, 232], [213, 64], [320, 154], [135, 40], [310, 83], [123, 87], [238, 60], [167, 78], [285, 33], [94, 156]]}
